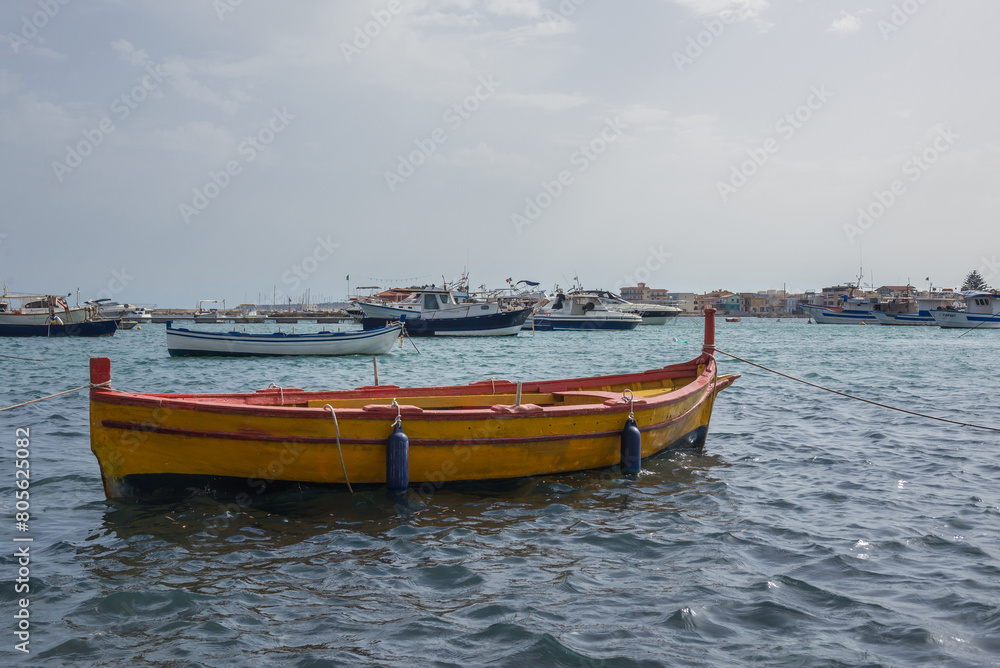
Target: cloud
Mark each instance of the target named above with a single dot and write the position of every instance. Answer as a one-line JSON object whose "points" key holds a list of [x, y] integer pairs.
{"points": [[127, 52], [523, 8], [848, 24], [544, 101], [37, 123], [744, 9], [9, 82]]}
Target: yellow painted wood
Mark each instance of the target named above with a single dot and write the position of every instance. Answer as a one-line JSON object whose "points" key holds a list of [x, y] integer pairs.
{"points": [[519, 446]]}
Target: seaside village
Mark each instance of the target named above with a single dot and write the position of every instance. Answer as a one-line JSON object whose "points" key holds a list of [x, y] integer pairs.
{"points": [[767, 303]]}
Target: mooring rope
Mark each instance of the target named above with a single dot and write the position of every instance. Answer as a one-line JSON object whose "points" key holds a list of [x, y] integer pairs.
{"points": [[75, 389], [29, 359], [339, 451], [851, 396]]}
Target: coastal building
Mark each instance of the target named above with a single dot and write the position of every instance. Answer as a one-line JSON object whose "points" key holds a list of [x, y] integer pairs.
{"points": [[637, 293], [685, 301], [894, 291]]}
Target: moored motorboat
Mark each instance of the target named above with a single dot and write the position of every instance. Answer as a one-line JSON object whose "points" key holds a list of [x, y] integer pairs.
{"points": [[186, 343], [579, 311], [651, 314], [162, 444]]}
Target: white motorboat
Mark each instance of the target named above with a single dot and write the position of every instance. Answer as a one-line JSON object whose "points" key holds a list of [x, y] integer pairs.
{"points": [[651, 314], [579, 311]]}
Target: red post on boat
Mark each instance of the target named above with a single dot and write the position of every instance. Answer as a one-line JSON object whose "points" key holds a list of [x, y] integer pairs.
{"points": [[709, 347], [100, 370]]}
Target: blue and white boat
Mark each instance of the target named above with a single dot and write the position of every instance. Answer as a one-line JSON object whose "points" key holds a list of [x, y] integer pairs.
{"points": [[435, 312], [50, 315], [916, 310], [982, 311], [579, 311], [852, 311], [186, 342]]}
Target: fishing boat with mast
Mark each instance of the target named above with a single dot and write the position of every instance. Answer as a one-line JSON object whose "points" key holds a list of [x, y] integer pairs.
{"points": [[150, 445], [436, 311], [50, 315]]}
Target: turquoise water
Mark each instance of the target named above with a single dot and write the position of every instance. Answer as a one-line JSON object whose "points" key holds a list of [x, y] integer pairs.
{"points": [[813, 530]]}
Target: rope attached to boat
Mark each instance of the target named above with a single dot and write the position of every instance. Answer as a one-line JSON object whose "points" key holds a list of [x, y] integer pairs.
{"points": [[280, 389], [339, 451], [851, 396], [29, 359], [106, 383]]}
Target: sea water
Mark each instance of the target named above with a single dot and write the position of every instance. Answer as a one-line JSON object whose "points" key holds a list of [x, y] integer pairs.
{"points": [[812, 530]]}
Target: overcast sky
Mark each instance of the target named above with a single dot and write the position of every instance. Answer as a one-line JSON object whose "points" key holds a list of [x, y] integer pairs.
{"points": [[164, 152]]}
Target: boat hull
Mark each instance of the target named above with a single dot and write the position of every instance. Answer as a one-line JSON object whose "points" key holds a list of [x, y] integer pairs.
{"points": [[187, 343], [151, 445], [825, 315], [906, 319], [583, 323], [92, 328], [504, 323], [963, 320]]}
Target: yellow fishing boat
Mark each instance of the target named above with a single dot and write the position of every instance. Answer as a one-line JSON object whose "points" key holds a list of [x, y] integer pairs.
{"points": [[152, 445]]}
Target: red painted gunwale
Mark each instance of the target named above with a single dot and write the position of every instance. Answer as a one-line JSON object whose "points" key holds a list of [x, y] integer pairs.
{"points": [[243, 403]]}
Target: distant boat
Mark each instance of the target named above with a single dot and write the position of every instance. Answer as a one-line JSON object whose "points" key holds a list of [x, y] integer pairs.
{"points": [[852, 311], [50, 315], [248, 313], [580, 311], [914, 311], [210, 314], [736, 319], [982, 311], [185, 343], [436, 312]]}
